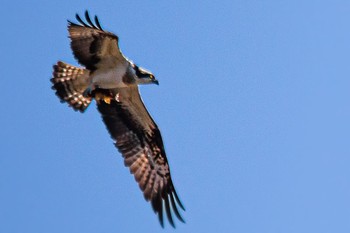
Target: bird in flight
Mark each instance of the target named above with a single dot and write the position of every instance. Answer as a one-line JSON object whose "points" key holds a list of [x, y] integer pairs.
{"points": [[112, 81]]}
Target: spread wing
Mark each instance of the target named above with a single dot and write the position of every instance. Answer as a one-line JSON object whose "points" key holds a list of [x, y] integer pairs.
{"points": [[92, 46], [138, 138]]}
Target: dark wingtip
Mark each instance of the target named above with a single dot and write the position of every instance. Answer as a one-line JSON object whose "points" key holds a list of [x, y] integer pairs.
{"points": [[89, 23], [168, 211], [177, 198], [176, 211], [158, 208], [87, 17], [98, 23], [80, 20], [77, 17], [70, 23], [169, 203], [160, 217]]}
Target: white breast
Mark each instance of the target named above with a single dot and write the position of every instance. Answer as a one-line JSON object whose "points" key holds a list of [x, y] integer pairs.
{"points": [[109, 78]]}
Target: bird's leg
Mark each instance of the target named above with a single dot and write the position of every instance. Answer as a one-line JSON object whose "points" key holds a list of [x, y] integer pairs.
{"points": [[117, 97], [89, 90]]}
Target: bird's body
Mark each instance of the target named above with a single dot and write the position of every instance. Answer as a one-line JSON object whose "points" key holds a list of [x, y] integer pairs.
{"points": [[112, 80]]}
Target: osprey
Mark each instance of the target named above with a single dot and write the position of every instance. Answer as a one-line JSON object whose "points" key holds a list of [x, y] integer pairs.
{"points": [[112, 80]]}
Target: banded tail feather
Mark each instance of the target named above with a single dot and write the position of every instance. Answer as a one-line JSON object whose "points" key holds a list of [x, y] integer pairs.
{"points": [[112, 80], [70, 82]]}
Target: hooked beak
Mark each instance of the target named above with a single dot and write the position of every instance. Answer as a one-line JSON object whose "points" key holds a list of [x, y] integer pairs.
{"points": [[155, 81]]}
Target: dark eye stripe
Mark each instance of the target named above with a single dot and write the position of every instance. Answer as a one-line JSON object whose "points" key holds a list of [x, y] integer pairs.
{"points": [[142, 74]]}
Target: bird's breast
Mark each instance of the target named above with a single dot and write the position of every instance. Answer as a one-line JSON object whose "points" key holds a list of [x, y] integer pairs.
{"points": [[109, 78]]}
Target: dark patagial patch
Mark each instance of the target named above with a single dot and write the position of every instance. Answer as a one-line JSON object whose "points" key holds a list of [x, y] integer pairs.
{"points": [[128, 77]]}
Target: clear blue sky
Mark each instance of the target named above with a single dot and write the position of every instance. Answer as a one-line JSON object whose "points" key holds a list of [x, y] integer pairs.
{"points": [[253, 105]]}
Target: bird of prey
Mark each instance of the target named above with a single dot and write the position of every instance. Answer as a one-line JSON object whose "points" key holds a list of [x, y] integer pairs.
{"points": [[112, 80]]}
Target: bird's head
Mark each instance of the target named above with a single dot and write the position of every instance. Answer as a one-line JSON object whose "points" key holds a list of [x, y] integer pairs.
{"points": [[144, 77]]}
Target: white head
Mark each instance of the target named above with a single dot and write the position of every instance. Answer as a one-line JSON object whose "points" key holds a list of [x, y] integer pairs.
{"points": [[144, 76]]}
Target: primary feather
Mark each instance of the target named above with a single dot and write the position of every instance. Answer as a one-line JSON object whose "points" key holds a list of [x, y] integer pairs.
{"points": [[136, 135]]}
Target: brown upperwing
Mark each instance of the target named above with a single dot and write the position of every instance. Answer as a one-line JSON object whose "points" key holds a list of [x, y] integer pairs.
{"points": [[92, 46], [139, 140]]}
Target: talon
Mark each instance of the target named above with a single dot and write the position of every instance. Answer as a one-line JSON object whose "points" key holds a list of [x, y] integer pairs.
{"points": [[117, 97], [89, 90], [107, 99]]}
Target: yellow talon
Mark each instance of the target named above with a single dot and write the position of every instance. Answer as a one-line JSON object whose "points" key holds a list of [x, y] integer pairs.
{"points": [[105, 98]]}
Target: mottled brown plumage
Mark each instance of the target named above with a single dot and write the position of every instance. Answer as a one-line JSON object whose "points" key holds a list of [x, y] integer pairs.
{"points": [[136, 135], [138, 138], [70, 83]]}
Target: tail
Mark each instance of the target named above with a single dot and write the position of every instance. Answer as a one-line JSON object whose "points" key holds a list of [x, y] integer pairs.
{"points": [[70, 82]]}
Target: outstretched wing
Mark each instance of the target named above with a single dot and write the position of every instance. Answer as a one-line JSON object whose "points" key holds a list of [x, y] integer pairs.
{"points": [[92, 46], [138, 138]]}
